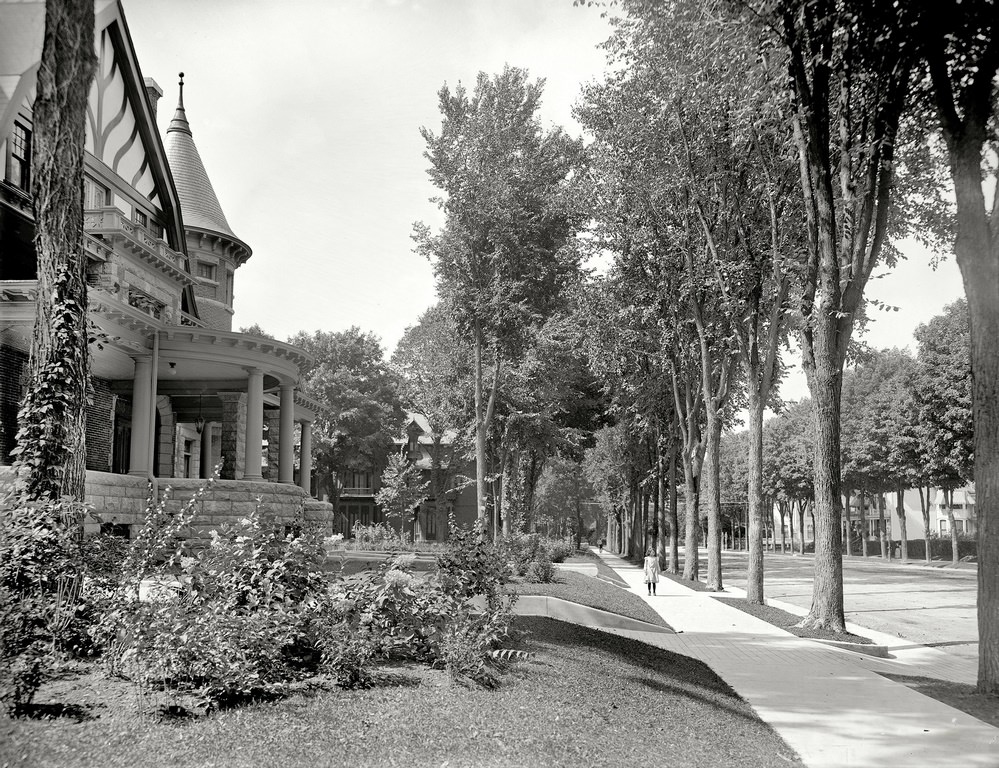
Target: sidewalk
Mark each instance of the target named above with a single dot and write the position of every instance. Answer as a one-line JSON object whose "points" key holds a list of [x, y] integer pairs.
{"points": [[830, 705]]}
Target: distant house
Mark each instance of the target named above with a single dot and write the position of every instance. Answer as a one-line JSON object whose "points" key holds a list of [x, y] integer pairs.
{"points": [[963, 507], [174, 390], [456, 474]]}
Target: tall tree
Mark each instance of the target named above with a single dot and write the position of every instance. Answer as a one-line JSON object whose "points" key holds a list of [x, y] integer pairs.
{"points": [[960, 44], [501, 259], [850, 66], [361, 392], [50, 451], [944, 401]]}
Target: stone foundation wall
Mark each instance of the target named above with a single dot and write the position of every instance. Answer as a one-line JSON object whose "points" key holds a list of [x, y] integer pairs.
{"points": [[121, 499]]}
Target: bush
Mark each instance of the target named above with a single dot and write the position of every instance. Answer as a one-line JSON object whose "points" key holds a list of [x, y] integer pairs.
{"points": [[392, 614], [541, 571], [233, 619], [558, 550], [473, 566], [379, 536]]}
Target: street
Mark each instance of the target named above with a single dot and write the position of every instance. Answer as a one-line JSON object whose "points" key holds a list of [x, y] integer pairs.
{"points": [[929, 606]]}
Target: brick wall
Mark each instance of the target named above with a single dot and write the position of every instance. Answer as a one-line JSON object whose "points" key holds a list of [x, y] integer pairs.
{"points": [[13, 367], [100, 426]]}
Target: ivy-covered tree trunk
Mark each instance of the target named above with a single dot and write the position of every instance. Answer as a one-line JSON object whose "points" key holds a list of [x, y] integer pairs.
{"points": [[51, 455]]}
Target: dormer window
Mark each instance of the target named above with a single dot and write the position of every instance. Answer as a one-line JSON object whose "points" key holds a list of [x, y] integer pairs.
{"points": [[206, 270], [19, 158]]}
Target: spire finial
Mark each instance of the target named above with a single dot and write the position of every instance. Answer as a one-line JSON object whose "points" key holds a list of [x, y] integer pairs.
{"points": [[180, 103]]}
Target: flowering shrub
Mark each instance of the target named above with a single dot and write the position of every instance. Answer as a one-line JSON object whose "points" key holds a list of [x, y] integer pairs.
{"points": [[232, 618], [379, 536]]}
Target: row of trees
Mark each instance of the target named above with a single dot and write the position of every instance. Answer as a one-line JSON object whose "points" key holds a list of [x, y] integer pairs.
{"points": [[751, 165], [906, 423]]}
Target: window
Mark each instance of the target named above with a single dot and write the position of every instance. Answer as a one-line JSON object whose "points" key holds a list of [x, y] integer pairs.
{"points": [[140, 218], [95, 194], [188, 450], [19, 158], [206, 270]]}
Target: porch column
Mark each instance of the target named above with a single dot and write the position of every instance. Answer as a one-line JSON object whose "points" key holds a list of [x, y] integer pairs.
{"points": [[305, 471], [206, 451], [254, 424], [138, 453], [286, 436]]}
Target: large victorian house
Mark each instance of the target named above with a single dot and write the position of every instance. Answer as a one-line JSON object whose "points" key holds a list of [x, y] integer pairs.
{"points": [[175, 391]]}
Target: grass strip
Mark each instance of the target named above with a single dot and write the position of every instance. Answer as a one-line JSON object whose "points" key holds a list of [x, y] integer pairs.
{"points": [[586, 698], [787, 621], [961, 696], [603, 570], [586, 590]]}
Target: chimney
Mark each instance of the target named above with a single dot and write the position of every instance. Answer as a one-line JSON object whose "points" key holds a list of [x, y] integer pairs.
{"points": [[154, 92]]}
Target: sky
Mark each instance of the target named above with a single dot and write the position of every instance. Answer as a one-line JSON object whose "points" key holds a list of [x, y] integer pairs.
{"points": [[307, 117]]}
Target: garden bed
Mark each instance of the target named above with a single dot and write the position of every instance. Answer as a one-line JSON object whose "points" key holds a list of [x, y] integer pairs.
{"points": [[584, 698]]}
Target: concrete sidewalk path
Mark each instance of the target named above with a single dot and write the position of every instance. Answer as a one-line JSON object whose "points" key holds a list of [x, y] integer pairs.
{"points": [[832, 706]]}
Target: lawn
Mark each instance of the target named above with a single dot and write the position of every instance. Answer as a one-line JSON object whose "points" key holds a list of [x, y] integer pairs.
{"points": [[585, 698], [586, 590], [604, 571]]}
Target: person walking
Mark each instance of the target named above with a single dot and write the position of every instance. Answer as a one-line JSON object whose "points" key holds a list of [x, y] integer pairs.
{"points": [[651, 570]]}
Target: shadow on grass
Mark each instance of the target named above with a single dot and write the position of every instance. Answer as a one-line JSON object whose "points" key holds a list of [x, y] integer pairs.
{"points": [[738, 708], [960, 696], [677, 673], [78, 713]]}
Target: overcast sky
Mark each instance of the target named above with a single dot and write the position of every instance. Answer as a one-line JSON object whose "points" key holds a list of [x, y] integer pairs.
{"points": [[307, 117]]}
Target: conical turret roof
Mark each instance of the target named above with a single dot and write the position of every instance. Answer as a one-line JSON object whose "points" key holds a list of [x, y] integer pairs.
{"points": [[199, 203]]}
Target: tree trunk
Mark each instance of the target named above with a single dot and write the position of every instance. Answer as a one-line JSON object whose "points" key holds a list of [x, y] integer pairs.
{"points": [[674, 518], [713, 466], [924, 507], [691, 566], [977, 249], [903, 534], [882, 528], [662, 525], [949, 501], [51, 454], [482, 520], [849, 523], [863, 523], [801, 526], [827, 587]]}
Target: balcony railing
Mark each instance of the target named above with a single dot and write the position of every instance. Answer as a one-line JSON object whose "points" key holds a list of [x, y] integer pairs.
{"points": [[357, 491], [115, 226]]}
